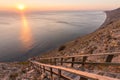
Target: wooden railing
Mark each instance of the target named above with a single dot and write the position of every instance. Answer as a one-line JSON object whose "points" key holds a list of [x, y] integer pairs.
{"points": [[42, 68], [62, 59], [44, 65]]}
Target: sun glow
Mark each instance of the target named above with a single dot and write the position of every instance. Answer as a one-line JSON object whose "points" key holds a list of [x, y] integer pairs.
{"points": [[21, 7], [26, 34]]}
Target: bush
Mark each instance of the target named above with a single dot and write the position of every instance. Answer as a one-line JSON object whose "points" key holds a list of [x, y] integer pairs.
{"points": [[61, 48], [13, 76], [24, 63]]}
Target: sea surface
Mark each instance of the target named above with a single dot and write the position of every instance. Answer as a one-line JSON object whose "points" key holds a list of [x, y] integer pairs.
{"points": [[24, 35]]}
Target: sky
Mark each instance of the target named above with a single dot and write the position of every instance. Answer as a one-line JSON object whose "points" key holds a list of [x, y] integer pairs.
{"points": [[60, 4]]}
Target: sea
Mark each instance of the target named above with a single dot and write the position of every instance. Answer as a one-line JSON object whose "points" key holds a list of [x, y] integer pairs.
{"points": [[25, 35]]}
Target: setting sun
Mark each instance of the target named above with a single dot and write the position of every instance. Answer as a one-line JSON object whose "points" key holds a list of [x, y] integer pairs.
{"points": [[21, 7]]}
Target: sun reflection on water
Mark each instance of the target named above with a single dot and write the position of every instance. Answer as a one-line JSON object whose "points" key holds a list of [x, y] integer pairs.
{"points": [[26, 35]]}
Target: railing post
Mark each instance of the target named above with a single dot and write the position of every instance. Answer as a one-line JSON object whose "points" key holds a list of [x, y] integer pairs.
{"points": [[36, 68], [55, 61], [59, 74], [73, 59], [40, 70], [31, 65], [50, 61], [43, 68], [83, 78], [84, 59], [109, 58], [83, 62], [61, 61], [51, 74]]}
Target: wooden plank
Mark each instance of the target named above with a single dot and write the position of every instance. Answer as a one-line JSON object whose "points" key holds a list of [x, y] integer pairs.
{"points": [[80, 73], [95, 63], [98, 54]]}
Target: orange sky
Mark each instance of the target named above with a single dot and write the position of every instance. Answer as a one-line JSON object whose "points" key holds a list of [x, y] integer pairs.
{"points": [[60, 4]]}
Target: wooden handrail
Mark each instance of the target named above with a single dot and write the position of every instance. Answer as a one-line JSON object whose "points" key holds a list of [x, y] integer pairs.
{"points": [[87, 55], [107, 62], [77, 72], [95, 63]]}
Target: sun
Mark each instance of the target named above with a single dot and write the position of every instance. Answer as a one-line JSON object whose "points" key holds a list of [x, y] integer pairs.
{"points": [[21, 7]]}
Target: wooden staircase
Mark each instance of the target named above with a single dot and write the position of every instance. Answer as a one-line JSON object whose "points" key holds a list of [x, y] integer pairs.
{"points": [[50, 65]]}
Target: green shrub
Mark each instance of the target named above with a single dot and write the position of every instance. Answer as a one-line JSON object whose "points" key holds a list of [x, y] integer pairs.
{"points": [[24, 63]]}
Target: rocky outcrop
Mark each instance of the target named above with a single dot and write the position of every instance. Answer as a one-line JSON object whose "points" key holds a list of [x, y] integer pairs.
{"points": [[17, 71]]}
